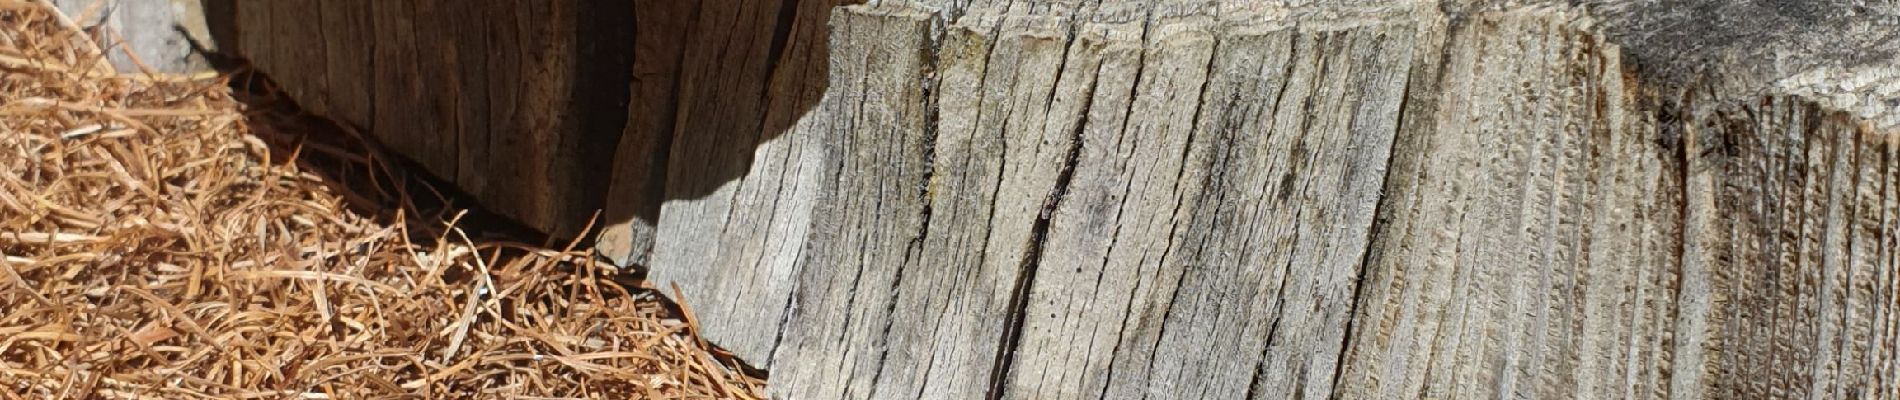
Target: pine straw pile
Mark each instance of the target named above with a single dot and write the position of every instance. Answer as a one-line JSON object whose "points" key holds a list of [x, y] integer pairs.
{"points": [[150, 248]]}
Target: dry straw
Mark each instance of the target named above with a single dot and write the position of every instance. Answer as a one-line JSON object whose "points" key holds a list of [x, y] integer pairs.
{"points": [[151, 248]]}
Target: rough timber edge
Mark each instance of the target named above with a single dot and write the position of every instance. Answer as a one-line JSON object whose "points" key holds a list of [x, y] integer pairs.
{"points": [[1827, 52]]}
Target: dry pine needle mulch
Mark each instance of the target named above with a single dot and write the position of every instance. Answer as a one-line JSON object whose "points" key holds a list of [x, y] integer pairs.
{"points": [[150, 248]]}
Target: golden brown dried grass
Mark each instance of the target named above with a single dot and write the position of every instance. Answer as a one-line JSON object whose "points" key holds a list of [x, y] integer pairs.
{"points": [[149, 248]]}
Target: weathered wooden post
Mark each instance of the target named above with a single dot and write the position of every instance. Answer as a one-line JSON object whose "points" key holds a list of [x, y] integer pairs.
{"points": [[1185, 199]]}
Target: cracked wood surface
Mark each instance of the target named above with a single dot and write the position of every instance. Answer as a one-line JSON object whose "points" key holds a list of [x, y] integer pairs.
{"points": [[1220, 199], [1530, 228], [1391, 203]]}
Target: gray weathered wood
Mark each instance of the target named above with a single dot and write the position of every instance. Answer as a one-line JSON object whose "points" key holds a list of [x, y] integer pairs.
{"points": [[865, 231], [1531, 228], [745, 158], [1196, 199], [1170, 201], [1794, 231]]}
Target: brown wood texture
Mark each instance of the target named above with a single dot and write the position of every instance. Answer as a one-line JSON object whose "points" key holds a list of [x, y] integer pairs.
{"points": [[518, 104], [1185, 199]]}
